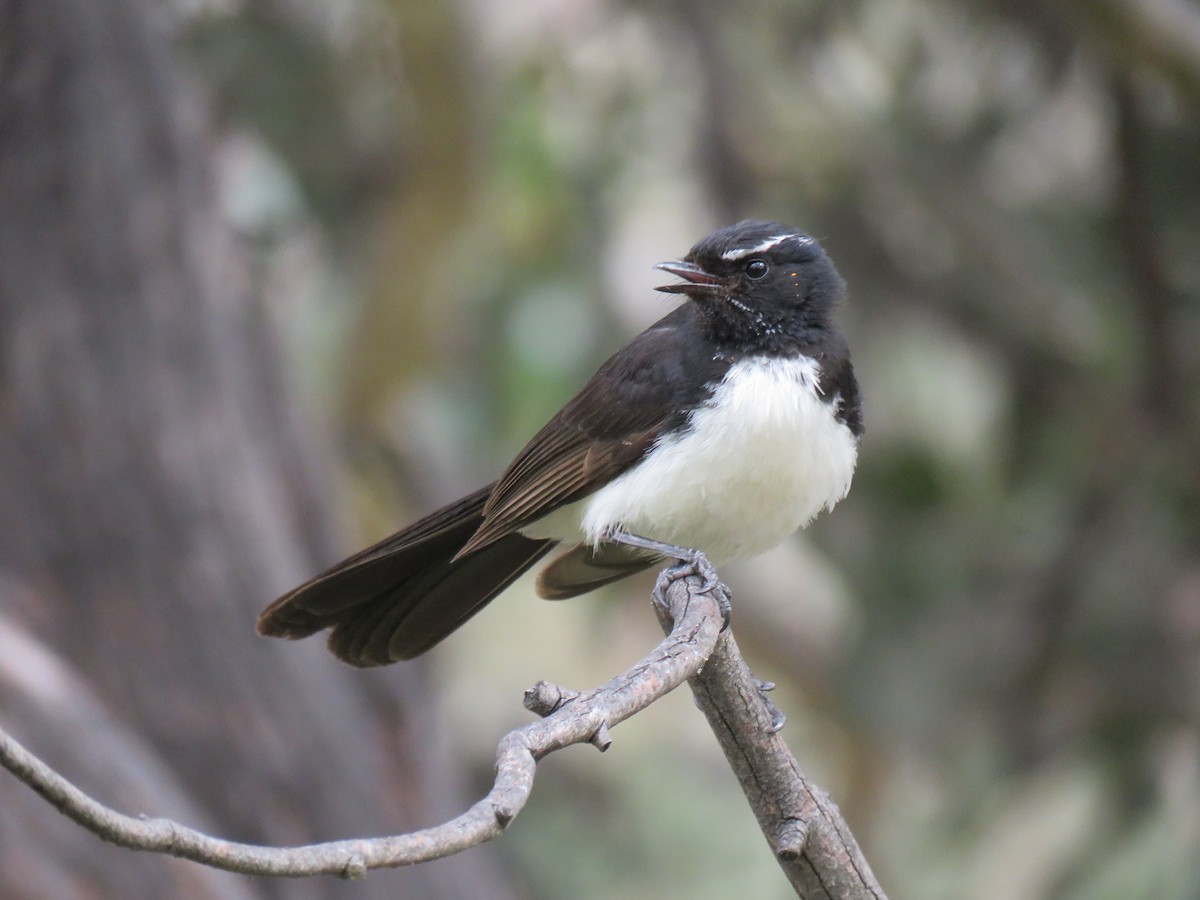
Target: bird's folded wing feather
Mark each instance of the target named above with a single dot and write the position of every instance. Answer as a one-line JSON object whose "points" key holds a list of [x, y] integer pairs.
{"points": [[637, 395]]}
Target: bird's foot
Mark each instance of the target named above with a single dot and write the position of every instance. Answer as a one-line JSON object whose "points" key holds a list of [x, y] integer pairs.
{"points": [[691, 562]]}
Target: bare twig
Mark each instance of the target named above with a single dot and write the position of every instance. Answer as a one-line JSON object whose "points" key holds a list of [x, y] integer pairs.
{"points": [[812, 842]]}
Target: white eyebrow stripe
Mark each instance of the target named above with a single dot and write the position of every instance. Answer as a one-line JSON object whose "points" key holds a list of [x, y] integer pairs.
{"points": [[741, 252]]}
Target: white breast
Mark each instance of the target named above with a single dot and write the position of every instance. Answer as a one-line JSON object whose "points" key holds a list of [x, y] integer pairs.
{"points": [[762, 457]]}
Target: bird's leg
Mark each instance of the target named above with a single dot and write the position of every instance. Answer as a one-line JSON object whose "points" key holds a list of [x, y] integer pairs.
{"points": [[691, 562]]}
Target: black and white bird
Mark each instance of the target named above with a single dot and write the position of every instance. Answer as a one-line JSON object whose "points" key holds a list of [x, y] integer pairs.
{"points": [[713, 435]]}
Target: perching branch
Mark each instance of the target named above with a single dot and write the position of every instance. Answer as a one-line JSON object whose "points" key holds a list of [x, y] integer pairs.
{"points": [[803, 826], [810, 839]]}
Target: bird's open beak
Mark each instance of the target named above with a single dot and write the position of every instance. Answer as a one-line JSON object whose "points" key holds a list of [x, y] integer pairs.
{"points": [[695, 279]]}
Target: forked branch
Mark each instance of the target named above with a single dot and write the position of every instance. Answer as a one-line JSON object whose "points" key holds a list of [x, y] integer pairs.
{"points": [[810, 839]]}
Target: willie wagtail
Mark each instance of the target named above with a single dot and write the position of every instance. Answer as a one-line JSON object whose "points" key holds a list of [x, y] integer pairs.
{"points": [[717, 432]]}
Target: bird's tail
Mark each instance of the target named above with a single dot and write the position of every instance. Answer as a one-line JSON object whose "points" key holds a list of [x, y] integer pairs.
{"points": [[396, 599]]}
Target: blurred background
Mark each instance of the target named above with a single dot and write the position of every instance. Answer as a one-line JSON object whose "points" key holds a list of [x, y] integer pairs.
{"points": [[276, 276]]}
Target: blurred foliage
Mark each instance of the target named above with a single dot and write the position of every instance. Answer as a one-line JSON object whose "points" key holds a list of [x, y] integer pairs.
{"points": [[1004, 686]]}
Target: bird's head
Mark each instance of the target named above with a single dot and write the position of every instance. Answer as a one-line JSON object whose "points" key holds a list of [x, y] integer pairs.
{"points": [[758, 280]]}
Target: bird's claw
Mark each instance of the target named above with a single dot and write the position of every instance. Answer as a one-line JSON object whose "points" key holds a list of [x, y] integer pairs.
{"points": [[691, 562], [778, 719], [714, 586], [696, 564]]}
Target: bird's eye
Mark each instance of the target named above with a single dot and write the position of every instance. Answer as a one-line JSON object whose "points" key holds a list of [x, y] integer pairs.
{"points": [[757, 268]]}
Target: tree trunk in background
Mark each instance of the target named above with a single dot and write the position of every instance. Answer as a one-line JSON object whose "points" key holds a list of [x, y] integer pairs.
{"points": [[155, 491]]}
